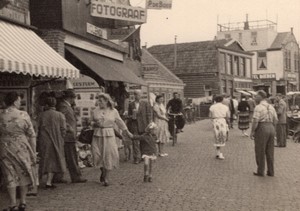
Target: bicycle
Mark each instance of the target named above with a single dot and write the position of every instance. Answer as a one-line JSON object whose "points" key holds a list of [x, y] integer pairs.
{"points": [[174, 129]]}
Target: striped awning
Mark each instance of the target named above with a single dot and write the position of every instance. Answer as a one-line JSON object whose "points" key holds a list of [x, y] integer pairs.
{"points": [[23, 51]]}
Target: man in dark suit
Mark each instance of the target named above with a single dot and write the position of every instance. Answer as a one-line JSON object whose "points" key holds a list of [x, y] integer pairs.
{"points": [[65, 106], [139, 116]]}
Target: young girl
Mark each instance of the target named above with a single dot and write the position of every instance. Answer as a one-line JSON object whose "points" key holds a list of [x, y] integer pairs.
{"points": [[148, 149]]}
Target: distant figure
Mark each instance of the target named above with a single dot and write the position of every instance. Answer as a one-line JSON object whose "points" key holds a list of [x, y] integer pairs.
{"points": [[139, 116], [281, 110], [243, 109], [51, 132], [175, 106], [252, 105], [219, 113], [161, 120], [263, 133], [148, 148]]}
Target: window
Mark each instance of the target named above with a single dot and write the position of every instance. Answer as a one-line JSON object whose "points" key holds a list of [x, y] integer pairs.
{"points": [[224, 87], [243, 67], [296, 61], [229, 65], [287, 60], [222, 63], [236, 66], [207, 90], [227, 36], [230, 87], [262, 60], [253, 38]]}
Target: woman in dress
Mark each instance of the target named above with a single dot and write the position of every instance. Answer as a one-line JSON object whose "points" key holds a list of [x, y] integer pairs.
{"points": [[17, 150], [244, 115], [51, 130], [104, 146], [219, 113], [161, 120]]}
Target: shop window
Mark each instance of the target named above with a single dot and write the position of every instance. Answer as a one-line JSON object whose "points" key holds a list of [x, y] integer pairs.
{"points": [[262, 60], [253, 38], [230, 87], [224, 87]]}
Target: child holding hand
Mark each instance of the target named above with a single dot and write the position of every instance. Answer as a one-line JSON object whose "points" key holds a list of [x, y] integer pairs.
{"points": [[148, 149]]}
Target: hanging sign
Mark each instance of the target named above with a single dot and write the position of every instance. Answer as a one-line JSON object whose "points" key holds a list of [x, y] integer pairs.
{"points": [[118, 11], [96, 31], [159, 4]]}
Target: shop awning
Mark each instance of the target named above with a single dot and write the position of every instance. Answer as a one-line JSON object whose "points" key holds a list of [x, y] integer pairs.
{"points": [[23, 51], [108, 69]]}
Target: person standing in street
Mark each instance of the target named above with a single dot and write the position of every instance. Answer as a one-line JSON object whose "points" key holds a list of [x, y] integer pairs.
{"points": [[263, 133], [175, 106], [243, 109], [281, 110], [251, 104], [219, 113], [51, 132], [139, 116], [65, 107]]}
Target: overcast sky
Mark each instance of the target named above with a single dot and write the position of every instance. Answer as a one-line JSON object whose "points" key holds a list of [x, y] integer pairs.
{"points": [[196, 20]]}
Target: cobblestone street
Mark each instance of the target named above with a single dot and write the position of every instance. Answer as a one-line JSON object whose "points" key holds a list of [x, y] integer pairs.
{"points": [[189, 179]]}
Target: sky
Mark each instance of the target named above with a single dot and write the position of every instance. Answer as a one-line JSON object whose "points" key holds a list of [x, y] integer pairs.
{"points": [[196, 20]]}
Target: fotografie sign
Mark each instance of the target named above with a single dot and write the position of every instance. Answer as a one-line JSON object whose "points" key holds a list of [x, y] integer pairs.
{"points": [[118, 11], [159, 4]]}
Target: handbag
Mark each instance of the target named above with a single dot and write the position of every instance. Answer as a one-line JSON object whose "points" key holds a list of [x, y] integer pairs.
{"points": [[86, 136]]}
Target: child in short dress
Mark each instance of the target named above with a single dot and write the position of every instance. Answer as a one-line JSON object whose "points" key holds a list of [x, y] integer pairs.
{"points": [[148, 149]]}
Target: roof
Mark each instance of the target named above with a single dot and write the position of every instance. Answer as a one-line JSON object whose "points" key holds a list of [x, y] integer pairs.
{"points": [[162, 73], [193, 57], [281, 39]]}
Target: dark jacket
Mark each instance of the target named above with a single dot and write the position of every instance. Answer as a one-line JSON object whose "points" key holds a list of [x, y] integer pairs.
{"points": [[143, 117], [71, 121], [175, 105], [243, 106], [147, 143]]}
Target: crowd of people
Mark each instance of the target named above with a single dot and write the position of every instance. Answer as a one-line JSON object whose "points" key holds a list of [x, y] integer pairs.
{"points": [[52, 143], [268, 119]]}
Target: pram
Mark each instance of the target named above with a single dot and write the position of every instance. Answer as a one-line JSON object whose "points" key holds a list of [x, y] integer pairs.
{"points": [[293, 116]]}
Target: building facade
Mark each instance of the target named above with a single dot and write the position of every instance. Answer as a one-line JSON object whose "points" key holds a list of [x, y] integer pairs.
{"points": [[208, 68], [276, 55]]}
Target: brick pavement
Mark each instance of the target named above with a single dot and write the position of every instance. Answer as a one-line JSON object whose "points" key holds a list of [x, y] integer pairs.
{"points": [[189, 179]]}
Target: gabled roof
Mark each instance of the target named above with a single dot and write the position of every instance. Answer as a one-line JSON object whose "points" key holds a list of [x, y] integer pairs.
{"points": [[281, 39], [193, 57], [163, 74]]}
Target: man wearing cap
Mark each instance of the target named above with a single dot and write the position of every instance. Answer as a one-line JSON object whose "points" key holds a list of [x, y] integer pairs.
{"points": [[139, 116], [281, 125], [263, 133], [65, 106]]}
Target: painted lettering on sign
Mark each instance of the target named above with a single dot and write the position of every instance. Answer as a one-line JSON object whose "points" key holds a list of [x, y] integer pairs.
{"points": [[159, 4], [96, 31], [264, 76], [118, 11]]}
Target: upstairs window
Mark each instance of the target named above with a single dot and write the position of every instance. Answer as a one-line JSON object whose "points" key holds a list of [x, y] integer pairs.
{"points": [[253, 38], [229, 65], [262, 60], [243, 67], [296, 61], [287, 60]]}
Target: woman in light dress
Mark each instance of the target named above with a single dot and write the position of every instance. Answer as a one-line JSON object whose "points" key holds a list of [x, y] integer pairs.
{"points": [[104, 145], [161, 120]]}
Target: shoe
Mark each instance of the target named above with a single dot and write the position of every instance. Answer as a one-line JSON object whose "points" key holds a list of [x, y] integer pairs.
{"points": [[105, 184], [50, 186], [217, 156], [221, 157], [14, 208], [79, 181], [22, 207], [146, 178], [149, 179], [270, 175], [257, 174], [60, 181]]}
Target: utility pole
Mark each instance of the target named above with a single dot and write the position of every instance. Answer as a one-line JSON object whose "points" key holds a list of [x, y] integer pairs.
{"points": [[175, 53]]}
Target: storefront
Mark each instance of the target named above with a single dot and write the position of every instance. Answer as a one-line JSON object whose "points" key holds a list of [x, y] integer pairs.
{"points": [[29, 66]]}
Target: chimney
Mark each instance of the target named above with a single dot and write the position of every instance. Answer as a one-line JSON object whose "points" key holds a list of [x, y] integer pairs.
{"points": [[292, 30], [246, 23]]}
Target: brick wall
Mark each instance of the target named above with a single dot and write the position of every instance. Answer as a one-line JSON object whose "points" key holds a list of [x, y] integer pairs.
{"points": [[55, 38]]}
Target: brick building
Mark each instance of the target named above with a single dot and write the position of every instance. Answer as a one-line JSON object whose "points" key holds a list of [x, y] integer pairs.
{"points": [[209, 67]]}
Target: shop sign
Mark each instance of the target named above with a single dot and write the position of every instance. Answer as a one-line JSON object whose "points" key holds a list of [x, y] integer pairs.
{"points": [[291, 76], [264, 76], [118, 11], [96, 31], [150, 69], [15, 14], [159, 4], [120, 34], [13, 80], [85, 85]]}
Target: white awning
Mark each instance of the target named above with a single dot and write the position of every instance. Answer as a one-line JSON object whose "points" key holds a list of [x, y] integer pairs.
{"points": [[23, 51]]}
